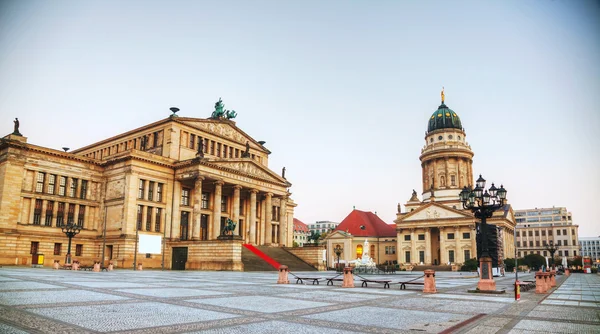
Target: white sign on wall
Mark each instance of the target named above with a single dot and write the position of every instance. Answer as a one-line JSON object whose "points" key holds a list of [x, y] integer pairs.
{"points": [[150, 243]]}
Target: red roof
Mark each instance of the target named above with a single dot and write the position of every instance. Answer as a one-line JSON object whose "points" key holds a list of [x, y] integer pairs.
{"points": [[300, 226], [366, 224]]}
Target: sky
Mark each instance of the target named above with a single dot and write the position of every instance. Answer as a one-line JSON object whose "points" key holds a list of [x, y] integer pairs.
{"points": [[341, 91]]}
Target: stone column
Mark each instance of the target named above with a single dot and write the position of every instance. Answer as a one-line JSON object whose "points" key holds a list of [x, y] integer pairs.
{"points": [[196, 215], [236, 209], [413, 247], [216, 224], [282, 222], [443, 251], [252, 218], [435, 182], [176, 213], [446, 172], [457, 245], [399, 252], [427, 245], [268, 218]]}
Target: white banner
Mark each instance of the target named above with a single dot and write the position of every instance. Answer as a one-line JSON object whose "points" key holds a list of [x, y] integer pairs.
{"points": [[150, 243]]}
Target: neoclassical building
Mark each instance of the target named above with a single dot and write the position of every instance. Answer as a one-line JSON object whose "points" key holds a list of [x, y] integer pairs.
{"points": [[436, 229], [180, 179]]}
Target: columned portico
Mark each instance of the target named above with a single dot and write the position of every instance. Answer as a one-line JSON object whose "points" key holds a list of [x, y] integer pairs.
{"points": [[282, 222], [216, 223]]}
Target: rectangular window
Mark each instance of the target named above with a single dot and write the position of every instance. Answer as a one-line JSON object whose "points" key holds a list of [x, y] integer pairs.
{"points": [[205, 146], [192, 141], [78, 250], [141, 189], [545, 253], [34, 247], [537, 233], [140, 211], [392, 249], [467, 254], [37, 212], [60, 214], [537, 243], [150, 190], [566, 253], [564, 231], [241, 206], [49, 213], [421, 237], [421, 256], [407, 237], [560, 253], [212, 147], [73, 187], [543, 233], [84, 186], [557, 232], [218, 149], [51, 184], [157, 220], [466, 235], [204, 201], [407, 257], [81, 216], [518, 233], [451, 256], [148, 218], [518, 244], [185, 197], [567, 243], [71, 214], [558, 243], [530, 243], [550, 233], [450, 236], [57, 248], [159, 192], [39, 186], [62, 186], [223, 203], [530, 233]]}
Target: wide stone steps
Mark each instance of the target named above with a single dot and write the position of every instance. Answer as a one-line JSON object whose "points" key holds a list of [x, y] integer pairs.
{"points": [[253, 262], [284, 257]]}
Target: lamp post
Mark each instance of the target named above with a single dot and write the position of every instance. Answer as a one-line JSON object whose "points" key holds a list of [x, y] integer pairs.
{"points": [[552, 248], [483, 203], [338, 251], [70, 230]]}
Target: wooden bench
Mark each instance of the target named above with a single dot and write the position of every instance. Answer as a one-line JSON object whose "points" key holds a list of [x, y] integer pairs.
{"points": [[331, 280], [386, 283], [403, 284], [527, 285], [313, 279]]}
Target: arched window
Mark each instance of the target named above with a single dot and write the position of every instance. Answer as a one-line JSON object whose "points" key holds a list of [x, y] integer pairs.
{"points": [[359, 251], [372, 253]]}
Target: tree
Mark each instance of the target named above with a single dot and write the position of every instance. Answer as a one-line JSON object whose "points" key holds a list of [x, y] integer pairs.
{"points": [[295, 244], [314, 236], [470, 265], [510, 264], [534, 261]]}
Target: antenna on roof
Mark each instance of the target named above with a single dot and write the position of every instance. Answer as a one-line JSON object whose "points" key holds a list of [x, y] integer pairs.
{"points": [[65, 149]]}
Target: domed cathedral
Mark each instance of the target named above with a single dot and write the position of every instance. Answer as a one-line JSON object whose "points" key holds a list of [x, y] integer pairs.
{"points": [[436, 230]]}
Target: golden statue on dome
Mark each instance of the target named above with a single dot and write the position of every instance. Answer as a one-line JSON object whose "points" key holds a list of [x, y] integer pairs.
{"points": [[443, 96]]}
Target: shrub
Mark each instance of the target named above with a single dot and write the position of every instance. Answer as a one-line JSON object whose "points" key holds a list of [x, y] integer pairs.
{"points": [[470, 265]]}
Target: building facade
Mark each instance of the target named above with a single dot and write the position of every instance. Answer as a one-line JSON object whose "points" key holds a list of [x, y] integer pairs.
{"points": [[436, 229], [590, 246], [179, 179], [301, 232], [323, 226], [537, 228]]}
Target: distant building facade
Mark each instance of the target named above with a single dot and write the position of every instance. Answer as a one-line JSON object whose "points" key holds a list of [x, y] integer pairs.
{"points": [[179, 179], [537, 227], [323, 226], [301, 232], [590, 246]]}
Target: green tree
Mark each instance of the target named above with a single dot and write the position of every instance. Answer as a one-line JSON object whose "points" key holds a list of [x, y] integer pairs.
{"points": [[470, 265], [510, 264], [534, 261], [295, 244], [314, 236]]}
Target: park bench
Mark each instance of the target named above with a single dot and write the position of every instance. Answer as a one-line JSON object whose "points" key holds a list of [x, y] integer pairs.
{"points": [[333, 279], [386, 283], [403, 284], [300, 280], [527, 285]]}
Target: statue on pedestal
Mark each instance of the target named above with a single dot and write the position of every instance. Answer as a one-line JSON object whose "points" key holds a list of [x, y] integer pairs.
{"points": [[16, 128]]}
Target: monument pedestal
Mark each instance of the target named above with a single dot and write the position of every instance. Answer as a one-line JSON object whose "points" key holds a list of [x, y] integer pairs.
{"points": [[486, 279]]}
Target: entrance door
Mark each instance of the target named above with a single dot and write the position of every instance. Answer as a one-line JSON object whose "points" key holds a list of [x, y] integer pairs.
{"points": [[109, 252], [183, 226], [179, 258], [204, 227]]}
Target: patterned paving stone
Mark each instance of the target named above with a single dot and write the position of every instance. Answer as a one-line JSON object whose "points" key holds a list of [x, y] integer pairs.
{"points": [[535, 326], [330, 296], [53, 296], [260, 303], [472, 297], [106, 318], [565, 313], [16, 285], [110, 284], [431, 322], [6, 329], [172, 292], [275, 327]]}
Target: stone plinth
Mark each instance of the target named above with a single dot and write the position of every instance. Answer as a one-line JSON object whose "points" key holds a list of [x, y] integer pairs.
{"points": [[567, 272], [348, 278], [552, 278], [486, 279], [283, 275], [55, 265], [213, 255], [140, 267], [97, 267], [540, 285], [110, 266], [75, 265], [429, 281]]}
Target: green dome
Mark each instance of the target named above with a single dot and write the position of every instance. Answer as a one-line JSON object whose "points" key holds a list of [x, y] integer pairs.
{"points": [[444, 118]]}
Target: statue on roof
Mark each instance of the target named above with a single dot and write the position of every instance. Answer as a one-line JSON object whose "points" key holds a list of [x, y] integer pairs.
{"points": [[443, 96], [229, 114], [16, 128], [218, 113], [246, 153], [283, 172], [200, 152]]}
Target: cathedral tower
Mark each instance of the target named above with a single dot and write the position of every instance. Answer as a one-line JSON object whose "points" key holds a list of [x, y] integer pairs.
{"points": [[446, 159]]}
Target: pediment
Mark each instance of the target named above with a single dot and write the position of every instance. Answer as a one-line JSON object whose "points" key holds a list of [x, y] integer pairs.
{"points": [[337, 235], [251, 168], [225, 129], [434, 211]]}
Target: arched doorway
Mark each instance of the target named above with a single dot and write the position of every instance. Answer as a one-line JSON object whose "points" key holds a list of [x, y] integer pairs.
{"points": [[359, 251]]}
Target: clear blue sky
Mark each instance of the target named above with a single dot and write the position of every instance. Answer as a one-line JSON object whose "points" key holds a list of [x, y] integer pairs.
{"points": [[341, 91]]}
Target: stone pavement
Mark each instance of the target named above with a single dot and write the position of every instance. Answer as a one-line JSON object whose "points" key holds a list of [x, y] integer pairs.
{"points": [[126, 301]]}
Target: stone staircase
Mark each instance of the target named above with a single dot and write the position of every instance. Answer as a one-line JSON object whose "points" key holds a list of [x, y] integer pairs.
{"points": [[284, 257], [433, 267], [253, 262]]}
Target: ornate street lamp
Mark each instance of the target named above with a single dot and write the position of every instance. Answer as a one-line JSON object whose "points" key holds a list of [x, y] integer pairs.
{"points": [[552, 248], [338, 251], [70, 230], [483, 203]]}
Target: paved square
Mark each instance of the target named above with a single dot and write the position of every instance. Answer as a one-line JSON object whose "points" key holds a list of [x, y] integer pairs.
{"points": [[260, 303]]}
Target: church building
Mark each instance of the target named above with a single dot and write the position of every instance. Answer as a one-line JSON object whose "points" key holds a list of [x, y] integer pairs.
{"points": [[436, 230], [201, 186]]}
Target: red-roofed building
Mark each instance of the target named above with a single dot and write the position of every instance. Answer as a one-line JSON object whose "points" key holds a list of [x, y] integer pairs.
{"points": [[351, 234], [301, 232]]}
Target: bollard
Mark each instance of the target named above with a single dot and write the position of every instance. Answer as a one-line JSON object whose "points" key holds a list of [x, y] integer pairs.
{"points": [[75, 265], [546, 281], [539, 282], [139, 266], [110, 266], [348, 278], [56, 265], [567, 272], [97, 266], [429, 286], [553, 278], [283, 275]]}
